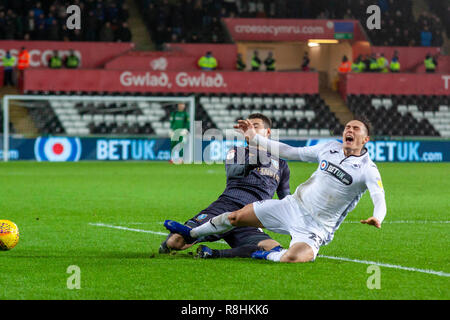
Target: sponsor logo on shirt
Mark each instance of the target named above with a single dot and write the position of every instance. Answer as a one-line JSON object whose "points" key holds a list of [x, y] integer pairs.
{"points": [[336, 172]]}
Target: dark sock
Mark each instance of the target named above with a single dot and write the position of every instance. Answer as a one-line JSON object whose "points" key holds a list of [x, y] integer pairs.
{"points": [[241, 252]]}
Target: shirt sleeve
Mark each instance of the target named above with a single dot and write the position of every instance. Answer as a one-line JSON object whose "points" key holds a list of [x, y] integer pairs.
{"points": [[283, 189], [285, 151], [376, 190]]}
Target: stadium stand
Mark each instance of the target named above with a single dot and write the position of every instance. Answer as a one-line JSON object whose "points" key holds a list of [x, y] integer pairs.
{"points": [[300, 115], [199, 21], [46, 20], [404, 115], [11, 126]]}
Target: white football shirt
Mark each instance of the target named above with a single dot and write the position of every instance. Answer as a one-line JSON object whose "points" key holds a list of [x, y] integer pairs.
{"points": [[337, 185]]}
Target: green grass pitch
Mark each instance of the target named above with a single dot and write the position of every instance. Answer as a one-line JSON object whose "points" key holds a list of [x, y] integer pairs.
{"points": [[56, 206]]}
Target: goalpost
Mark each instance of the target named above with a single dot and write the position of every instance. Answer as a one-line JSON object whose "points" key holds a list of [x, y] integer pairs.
{"points": [[146, 106]]}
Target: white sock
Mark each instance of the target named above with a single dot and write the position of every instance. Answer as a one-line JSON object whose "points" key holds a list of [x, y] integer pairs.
{"points": [[216, 225], [276, 256]]}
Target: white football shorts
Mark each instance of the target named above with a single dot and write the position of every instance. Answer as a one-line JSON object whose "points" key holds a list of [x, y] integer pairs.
{"points": [[286, 217]]}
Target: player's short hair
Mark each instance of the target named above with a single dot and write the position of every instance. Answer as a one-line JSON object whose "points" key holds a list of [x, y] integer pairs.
{"points": [[266, 120], [365, 121]]}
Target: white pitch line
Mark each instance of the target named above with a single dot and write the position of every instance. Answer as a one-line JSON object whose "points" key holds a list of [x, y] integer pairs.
{"points": [[408, 222], [127, 229], [438, 273], [135, 230], [387, 265]]}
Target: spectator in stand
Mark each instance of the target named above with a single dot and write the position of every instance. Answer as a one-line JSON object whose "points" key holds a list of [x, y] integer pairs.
{"points": [[373, 66], [355, 64], [39, 20], [395, 63], [23, 63], [240, 64], [367, 63], [29, 25], [37, 10], [256, 62], [53, 31], [383, 64], [207, 62], [106, 33], [55, 61], [425, 37], [345, 66], [305, 63], [430, 63], [8, 66], [71, 61], [269, 62], [91, 30], [123, 34]]}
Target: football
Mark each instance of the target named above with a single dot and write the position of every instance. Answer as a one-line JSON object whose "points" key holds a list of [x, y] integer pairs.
{"points": [[9, 235]]}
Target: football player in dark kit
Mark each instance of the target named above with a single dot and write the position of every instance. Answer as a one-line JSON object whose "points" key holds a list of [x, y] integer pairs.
{"points": [[252, 175]]}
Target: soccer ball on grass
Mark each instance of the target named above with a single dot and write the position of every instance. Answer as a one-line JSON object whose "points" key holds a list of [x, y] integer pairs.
{"points": [[9, 235]]}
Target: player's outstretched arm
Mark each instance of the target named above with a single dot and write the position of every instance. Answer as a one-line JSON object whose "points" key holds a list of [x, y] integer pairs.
{"points": [[276, 148], [375, 186]]}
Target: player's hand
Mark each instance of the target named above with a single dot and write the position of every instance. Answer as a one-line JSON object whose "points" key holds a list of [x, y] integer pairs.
{"points": [[247, 128], [372, 221]]}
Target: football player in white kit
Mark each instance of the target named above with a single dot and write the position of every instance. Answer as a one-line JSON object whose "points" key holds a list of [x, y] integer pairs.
{"points": [[315, 211]]}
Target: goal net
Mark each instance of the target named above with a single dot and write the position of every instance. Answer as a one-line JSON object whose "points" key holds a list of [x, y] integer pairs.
{"points": [[79, 117]]}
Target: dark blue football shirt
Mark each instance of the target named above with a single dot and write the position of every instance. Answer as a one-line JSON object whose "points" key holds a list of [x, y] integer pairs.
{"points": [[254, 175]]}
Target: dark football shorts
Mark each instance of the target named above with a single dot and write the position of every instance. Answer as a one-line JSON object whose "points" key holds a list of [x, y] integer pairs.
{"points": [[236, 237]]}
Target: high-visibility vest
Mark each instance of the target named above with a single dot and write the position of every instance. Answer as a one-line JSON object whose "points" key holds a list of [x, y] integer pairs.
{"points": [[255, 62], [345, 67], [382, 64], [72, 62], [373, 65], [55, 62], [24, 60], [429, 64], [395, 66], [8, 63], [361, 66], [207, 62]]}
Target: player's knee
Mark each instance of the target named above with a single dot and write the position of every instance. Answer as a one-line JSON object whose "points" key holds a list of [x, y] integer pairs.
{"points": [[296, 258], [175, 242]]}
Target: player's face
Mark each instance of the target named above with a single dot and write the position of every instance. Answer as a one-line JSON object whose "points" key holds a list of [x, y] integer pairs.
{"points": [[355, 135], [181, 107], [259, 127]]}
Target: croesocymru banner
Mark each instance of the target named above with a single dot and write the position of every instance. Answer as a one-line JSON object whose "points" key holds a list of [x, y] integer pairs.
{"points": [[292, 29], [91, 54], [171, 81], [158, 149]]}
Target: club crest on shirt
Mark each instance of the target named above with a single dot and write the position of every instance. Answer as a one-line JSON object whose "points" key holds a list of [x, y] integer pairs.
{"points": [[201, 217], [336, 172]]}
